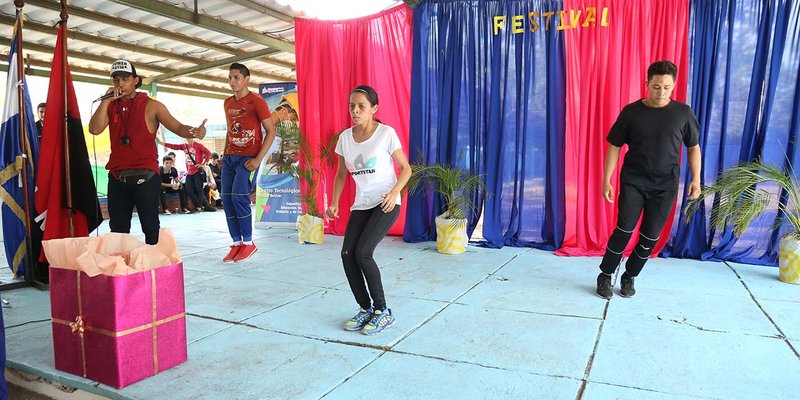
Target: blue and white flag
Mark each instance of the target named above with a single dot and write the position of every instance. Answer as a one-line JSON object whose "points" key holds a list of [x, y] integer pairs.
{"points": [[12, 162]]}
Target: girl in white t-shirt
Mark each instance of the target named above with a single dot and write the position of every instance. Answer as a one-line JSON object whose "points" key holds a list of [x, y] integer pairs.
{"points": [[366, 152]]}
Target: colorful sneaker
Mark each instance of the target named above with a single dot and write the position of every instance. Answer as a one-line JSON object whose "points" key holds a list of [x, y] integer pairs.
{"points": [[359, 320], [604, 286], [626, 286], [245, 251], [380, 321], [232, 254]]}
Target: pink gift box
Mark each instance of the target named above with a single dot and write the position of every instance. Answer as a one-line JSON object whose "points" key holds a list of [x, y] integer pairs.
{"points": [[118, 330]]}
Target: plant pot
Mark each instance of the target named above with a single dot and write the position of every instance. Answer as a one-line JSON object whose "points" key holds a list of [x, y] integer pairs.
{"points": [[451, 235], [310, 229], [789, 260]]}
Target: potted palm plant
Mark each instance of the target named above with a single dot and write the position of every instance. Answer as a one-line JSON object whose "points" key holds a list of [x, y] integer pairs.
{"points": [[739, 201], [310, 226], [457, 188]]}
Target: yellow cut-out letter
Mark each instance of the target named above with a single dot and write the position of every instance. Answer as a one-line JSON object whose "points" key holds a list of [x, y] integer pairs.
{"points": [[562, 21], [516, 24], [574, 18], [499, 21], [591, 17], [533, 18], [547, 14], [604, 19]]}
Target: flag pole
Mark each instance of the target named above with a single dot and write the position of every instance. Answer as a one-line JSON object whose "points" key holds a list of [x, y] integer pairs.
{"points": [[27, 161], [67, 174]]}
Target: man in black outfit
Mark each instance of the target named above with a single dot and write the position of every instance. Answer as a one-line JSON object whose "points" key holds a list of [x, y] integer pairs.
{"points": [[654, 129], [40, 123], [171, 184]]}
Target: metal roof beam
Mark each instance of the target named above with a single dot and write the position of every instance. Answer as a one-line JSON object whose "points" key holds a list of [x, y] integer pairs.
{"points": [[189, 17], [213, 65], [108, 60], [85, 37], [102, 76], [134, 26], [265, 10], [99, 81]]}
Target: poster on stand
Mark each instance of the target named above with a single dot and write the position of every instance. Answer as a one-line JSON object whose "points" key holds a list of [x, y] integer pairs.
{"points": [[277, 185]]}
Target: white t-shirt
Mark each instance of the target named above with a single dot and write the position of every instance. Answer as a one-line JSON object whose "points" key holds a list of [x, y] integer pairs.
{"points": [[370, 164]]}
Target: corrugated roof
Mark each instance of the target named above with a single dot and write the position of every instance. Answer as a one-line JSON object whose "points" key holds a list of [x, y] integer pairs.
{"points": [[166, 40], [184, 50]]}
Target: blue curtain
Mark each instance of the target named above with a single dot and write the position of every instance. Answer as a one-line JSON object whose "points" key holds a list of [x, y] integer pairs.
{"points": [[492, 104], [744, 90]]}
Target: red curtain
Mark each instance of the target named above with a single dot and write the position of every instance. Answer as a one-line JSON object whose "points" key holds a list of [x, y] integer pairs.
{"points": [[333, 57], [607, 69]]}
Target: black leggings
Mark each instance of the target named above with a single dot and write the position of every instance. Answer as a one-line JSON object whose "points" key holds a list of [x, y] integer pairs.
{"points": [[654, 206], [365, 229]]}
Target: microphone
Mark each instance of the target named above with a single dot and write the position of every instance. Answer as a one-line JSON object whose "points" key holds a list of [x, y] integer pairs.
{"points": [[105, 96]]}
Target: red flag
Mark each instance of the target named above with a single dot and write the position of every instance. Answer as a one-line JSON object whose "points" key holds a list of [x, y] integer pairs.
{"points": [[50, 197]]}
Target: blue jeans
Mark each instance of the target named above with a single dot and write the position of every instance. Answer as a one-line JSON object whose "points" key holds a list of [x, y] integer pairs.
{"points": [[236, 197]]}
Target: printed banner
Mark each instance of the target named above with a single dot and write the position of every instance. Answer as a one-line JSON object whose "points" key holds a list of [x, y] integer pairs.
{"points": [[277, 186]]}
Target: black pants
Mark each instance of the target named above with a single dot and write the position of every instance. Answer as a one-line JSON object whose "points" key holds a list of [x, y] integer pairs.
{"points": [[181, 196], [365, 229], [654, 207], [123, 196], [194, 188]]}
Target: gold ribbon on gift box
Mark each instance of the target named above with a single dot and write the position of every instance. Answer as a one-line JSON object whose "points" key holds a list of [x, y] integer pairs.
{"points": [[80, 326]]}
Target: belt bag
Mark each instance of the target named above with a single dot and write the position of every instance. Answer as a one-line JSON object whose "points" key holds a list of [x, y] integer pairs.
{"points": [[137, 176]]}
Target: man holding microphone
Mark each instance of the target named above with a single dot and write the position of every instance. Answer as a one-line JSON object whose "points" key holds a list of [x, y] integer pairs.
{"points": [[133, 119]]}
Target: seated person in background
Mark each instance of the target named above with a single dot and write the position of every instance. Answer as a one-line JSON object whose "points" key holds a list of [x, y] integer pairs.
{"points": [[215, 165], [197, 156], [171, 184]]}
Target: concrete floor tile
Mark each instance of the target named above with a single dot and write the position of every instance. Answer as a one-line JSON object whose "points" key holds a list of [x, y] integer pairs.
{"points": [[763, 282], [651, 356], [692, 310], [193, 277], [599, 391], [322, 315], [689, 276], [34, 346], [496, 338], [526, 286], [234, 298], [24, 306], [210, 260], [255, 364], [433, 276], [785, 314], [199, 328], [414, 377], [310, 270]]}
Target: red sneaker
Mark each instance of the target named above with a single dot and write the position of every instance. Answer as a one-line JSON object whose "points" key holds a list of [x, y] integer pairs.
{"points": [[232, 254], [245, 251]]}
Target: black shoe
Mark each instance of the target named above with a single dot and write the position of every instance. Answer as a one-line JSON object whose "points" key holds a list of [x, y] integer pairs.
{"points": [[209, 209], [626, 286], [604, 286]]}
